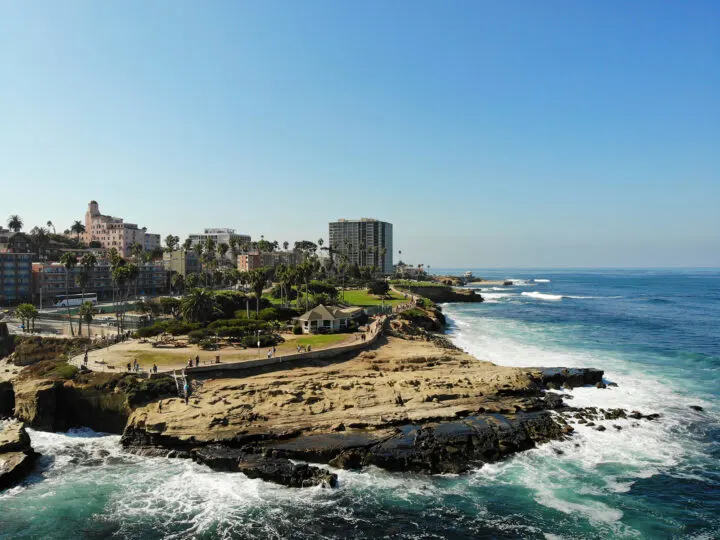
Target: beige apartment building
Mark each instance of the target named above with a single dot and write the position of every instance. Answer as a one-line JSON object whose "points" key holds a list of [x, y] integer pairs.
{"points": [[113, 232], [253, 260]]}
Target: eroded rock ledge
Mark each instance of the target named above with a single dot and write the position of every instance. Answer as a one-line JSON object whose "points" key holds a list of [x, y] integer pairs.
{"points": [[17, 458], [414, 404]]}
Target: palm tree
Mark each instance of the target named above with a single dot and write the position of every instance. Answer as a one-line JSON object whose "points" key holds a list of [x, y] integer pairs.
{"points": [[50, 224], [177, 282], [171, 242], [285, 245], [222, 250], [78, 228], [257, 279], [383, 252], [137, 249], [87, 311], [187, 245], [15, 223], [40, 239], [69, 261], [27, 313], [123, 275], [88, 262], [199, 305]]}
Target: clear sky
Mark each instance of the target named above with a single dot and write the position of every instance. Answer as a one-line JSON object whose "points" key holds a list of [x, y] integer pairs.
{"points": [[538, 133]]}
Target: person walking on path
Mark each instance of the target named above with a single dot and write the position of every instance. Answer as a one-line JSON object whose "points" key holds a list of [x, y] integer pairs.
{"points": [[197, 361], [154, 368], [186, 389]]}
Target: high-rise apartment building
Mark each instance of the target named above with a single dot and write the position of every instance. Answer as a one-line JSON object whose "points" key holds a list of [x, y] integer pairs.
{"points": [[365, 242], [113, 232]]}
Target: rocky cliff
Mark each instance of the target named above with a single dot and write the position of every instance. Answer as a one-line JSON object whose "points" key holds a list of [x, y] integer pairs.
{"points": [[17, 458]]}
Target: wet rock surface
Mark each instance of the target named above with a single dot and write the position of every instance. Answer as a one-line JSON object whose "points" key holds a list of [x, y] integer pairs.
{"points": [[272, 469], [17, 458]]}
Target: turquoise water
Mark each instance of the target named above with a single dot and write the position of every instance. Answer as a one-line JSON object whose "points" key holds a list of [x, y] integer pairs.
{"points": [[655, 333]]}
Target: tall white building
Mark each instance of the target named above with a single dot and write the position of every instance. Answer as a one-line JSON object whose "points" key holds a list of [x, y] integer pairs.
{"points": [[365, 242]]}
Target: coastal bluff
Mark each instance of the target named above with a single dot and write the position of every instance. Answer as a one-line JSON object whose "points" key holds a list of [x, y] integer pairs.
{"points": [[410, 404]]}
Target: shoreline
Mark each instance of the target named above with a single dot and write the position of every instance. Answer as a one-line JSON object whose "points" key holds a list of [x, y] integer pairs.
{"points": [[413, 401]]}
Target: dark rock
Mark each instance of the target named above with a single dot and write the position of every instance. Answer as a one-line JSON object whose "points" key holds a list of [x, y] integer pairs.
{"points": [[570, 377], [600, 428], [272, 469], [600, 384], [449, 447], [7, 399], [696, 408], [612, 384]]}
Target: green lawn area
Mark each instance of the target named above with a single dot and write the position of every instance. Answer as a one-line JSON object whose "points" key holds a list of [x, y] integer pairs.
{"points": [[319, 340], [363, 298], [273, 301]]}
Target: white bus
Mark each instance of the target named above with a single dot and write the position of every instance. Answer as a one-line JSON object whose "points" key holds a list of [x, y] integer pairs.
{"points": [[74, 300]]}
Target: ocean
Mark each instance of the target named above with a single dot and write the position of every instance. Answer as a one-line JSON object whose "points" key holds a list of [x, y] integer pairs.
{"points": [[656, 333]]}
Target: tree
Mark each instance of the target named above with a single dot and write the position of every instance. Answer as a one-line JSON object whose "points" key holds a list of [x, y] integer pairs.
{"points": [[123, 275], [137, 250], [286, 244], [27, 313], [171, 306], [192, 280], [379, 287], [187, 245], [40, 239], [177, 283], [258, 279], [222, 250], [88, 262], [199, 305], [15, 223], [87, 312], [49, 224], [172, 242], [78, 228], [69, 261]]}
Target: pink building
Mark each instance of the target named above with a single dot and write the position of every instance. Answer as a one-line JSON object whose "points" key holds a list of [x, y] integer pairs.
{"points": [[113, 232]]}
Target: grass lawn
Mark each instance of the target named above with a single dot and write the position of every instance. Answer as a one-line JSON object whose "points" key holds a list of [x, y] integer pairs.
{"points": [[319, 340], [273, 301], [363, 298]]}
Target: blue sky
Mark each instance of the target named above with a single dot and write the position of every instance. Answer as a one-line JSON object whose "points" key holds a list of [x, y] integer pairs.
{"points": [[489, 133]]}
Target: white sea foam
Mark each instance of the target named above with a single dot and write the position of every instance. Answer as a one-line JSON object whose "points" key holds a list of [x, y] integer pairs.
{"points": [[538, 280], [542, 296], [580, 476]]}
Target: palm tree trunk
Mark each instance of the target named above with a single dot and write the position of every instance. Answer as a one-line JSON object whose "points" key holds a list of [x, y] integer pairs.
{"points": [[67, 300]]}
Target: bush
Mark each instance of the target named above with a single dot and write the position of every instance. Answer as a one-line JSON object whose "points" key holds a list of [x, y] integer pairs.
{"points": [[277, 314], [413, 314], [208, 344], [297, 330], [196, 336], [266, 340]]}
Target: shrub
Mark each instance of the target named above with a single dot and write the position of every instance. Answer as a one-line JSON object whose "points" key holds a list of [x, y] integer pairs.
{"points": [[297, 330], [266, 340], [208, 344], [277, 314], [413, 314], [196, 336]]}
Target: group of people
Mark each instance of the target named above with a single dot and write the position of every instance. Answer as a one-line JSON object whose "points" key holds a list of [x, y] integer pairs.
{"points": [[190, 361], [135, 366], [271, 352]]}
